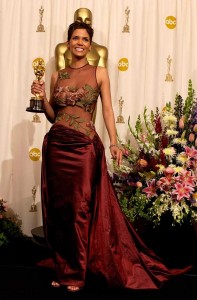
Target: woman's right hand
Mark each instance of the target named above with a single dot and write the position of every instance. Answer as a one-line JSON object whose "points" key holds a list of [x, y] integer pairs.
{"points": [[38, 89]]}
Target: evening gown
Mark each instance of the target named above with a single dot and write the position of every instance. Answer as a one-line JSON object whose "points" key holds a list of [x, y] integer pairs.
{"points": [[83, 223]]}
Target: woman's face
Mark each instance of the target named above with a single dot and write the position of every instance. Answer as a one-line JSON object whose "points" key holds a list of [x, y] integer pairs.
{"points": [[79, 44]]}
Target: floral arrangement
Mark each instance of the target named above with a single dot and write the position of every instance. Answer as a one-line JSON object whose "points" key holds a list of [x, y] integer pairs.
{"points": [[158, 176], [10, 227]]}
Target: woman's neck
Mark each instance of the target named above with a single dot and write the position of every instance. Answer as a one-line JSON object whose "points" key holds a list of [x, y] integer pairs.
{"points": [[78, 64]]}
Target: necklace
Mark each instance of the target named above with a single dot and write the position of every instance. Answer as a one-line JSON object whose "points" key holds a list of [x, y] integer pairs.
{"points": [[79, 67]]}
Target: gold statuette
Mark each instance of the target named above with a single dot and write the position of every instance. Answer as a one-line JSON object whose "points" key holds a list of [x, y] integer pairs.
{"points": [[168, 75], [120, 118], [40, 27], [33, 207], [126, 26], [36, 102]]}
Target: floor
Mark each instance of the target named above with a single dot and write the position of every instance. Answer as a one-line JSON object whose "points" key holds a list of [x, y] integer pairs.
{"points": [[22, 279]]}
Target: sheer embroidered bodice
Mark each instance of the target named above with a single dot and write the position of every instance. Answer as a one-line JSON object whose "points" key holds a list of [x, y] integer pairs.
{"points": [[75, 97]]}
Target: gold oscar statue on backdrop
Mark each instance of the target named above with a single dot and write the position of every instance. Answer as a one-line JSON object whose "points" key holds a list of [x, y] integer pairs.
{"points": [[33, 207], [168, 75], [40, 27], [96, 57], [36, 102], [120, 118], [126, 26]]}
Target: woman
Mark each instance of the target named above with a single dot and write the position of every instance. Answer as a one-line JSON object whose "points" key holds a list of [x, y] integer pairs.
{"points": [[83, 223]]}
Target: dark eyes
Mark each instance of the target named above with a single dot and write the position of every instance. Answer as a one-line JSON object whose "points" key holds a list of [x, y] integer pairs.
{"points": [[85, 39]]}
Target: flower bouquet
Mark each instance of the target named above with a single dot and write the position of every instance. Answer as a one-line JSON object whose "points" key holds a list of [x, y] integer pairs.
{"points": [[10, 227], [158, 175]]}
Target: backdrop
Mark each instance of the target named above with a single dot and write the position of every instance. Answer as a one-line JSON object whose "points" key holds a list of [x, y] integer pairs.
{"points": [[152, 49]]}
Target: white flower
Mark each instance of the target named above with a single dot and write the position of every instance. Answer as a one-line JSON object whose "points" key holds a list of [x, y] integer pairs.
{"points": [[182, 158], [170, 151], [170, 120], [171, 132], [180, 141]]}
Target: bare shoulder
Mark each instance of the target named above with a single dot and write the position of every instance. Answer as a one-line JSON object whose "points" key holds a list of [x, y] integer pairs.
{"points": [[101, 75], [54, 77], [102, 71]]}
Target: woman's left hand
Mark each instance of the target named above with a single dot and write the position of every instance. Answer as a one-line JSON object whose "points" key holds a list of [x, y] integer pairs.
{"points": [[116, 153]]}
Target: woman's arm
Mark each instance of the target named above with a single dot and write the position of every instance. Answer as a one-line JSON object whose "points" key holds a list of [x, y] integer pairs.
{"points": [[108, 113]]}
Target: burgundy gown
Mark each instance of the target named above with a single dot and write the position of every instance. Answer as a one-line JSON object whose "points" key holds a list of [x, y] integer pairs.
{"points": [[83, 222]]}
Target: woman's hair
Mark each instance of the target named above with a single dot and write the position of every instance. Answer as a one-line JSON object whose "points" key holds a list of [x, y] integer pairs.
{"points": [[80, 25]]}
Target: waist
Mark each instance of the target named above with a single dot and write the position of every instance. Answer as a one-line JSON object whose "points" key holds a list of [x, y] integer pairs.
{"points": [[63, 135], [76, 119]]}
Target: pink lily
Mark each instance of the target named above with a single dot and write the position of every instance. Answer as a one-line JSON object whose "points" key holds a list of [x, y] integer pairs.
{"points": [[151, 188], [182, 190]]}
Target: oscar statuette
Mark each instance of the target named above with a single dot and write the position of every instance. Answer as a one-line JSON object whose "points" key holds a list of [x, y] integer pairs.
{"points": [[36, 102], [126, 26], [120, 118], [33, 207], [40, 27], [168, 75]]}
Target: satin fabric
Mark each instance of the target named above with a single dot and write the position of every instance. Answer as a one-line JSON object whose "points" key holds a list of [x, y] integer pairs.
{"points": [[83, 221]]}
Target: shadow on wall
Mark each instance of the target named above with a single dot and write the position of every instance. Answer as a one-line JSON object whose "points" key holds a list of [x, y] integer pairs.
{"points": [[20, 174]]}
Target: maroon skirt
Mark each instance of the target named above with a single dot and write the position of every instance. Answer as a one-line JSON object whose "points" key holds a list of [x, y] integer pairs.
{"points": [[83, 222]]}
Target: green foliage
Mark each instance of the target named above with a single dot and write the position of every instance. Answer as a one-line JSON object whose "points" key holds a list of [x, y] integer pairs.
{"points": [[9, 231], [134, 205], [10, 228]]}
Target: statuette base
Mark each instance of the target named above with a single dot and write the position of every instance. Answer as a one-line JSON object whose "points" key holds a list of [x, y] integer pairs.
{"points": [[40, 28], [120, 119], [36, 106], [168, 77], [33, 208], [126, 28]]}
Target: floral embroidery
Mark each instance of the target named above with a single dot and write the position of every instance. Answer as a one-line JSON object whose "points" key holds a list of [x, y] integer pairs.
{"points": [[64, 75], [69, 94], [82, 97], [75, 122]]}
